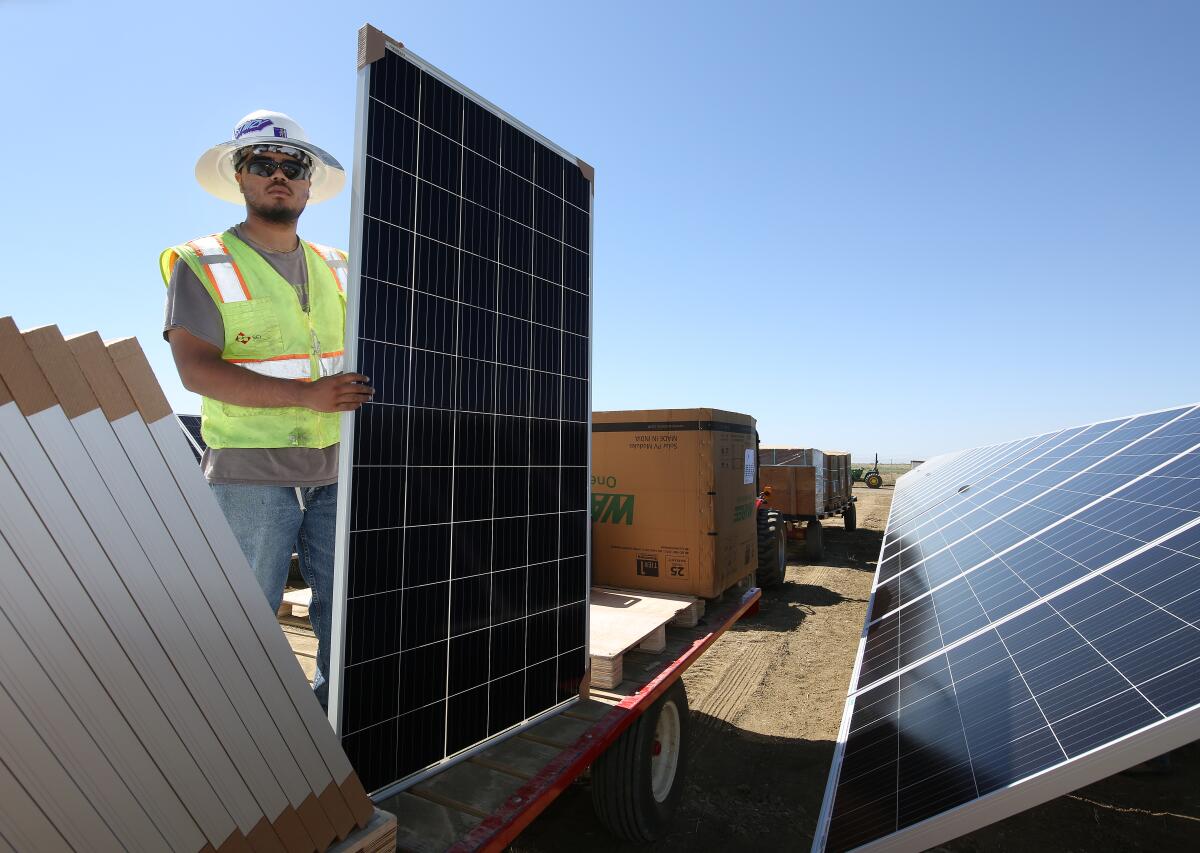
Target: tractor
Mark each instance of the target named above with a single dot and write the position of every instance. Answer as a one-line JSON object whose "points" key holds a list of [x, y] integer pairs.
{"points": [[871, 477]]}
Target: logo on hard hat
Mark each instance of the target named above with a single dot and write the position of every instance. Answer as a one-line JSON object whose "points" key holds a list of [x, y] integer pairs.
{"points": [[254, 126]]}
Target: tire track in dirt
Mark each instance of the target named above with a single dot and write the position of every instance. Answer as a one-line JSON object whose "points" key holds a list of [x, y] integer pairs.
{"points": [[732, 687]]}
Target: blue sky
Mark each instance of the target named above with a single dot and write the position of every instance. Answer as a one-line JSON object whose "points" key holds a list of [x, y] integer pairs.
{"points": [[896, 227]]}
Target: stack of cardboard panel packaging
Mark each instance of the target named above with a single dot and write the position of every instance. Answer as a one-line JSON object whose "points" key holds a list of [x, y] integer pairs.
{"points": [[673, 500], [148, 700]]}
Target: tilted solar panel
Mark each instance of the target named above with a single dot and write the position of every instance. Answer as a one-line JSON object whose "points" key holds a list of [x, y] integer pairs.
{"points": [[461, 603], [1034, 627]]}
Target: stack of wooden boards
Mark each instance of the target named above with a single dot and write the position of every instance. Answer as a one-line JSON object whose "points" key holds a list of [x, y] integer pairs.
{"points": [[148, 700]]}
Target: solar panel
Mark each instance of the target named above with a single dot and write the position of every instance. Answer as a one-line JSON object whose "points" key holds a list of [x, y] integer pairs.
{"points": [[191, 430], [1034, 627], [460, 609]]}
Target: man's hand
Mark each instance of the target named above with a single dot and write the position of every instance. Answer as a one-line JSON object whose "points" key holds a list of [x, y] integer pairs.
{"points": [[204, 371], [342, 392]]}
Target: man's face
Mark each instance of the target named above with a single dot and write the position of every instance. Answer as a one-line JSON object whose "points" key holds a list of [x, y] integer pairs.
{"points": [[274, 198]]}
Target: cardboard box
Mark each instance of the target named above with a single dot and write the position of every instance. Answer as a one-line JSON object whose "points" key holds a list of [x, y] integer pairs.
{"points": [[795, 490], [673, 500]]}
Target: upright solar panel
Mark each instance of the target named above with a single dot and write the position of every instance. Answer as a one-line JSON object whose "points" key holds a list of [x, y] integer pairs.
{"points": [[460, 610], [1034, 627]]}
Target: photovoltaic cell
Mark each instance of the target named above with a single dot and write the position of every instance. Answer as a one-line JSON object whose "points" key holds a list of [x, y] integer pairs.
{"points": [[1036, 607], [462, 573]]}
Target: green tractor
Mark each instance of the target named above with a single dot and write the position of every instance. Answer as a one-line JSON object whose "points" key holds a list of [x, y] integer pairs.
{"points": [[871, 477]]}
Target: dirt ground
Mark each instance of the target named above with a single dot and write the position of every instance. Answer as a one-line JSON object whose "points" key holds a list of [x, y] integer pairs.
{"points": [[766, 704]]}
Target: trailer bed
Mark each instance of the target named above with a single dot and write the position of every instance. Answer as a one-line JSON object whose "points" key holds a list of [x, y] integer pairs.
{"points": [[484, 802]]}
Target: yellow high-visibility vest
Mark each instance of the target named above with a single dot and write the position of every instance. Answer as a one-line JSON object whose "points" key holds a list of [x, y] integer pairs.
{"points": [[268, 333]]}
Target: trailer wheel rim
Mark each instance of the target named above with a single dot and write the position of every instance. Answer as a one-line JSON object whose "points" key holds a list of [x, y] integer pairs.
{"points": [[664, 757]]}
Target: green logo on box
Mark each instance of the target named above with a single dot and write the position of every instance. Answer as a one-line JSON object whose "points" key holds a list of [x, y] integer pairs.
{"points": [[610, 508], [743, 511]]}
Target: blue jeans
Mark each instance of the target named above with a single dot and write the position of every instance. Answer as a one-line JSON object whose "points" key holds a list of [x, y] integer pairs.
{"points": [[269, 524]]}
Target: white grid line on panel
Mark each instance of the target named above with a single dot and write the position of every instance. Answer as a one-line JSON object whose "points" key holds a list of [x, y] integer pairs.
{"points": [[367, 595], [461, 145], [971, 507], [1036, 703], [463, 198], [487, 725], [970, 472], [449, 696], [1101, 498], [999, 556], [993, 478], [408, 421], [562, 310], [459, 302], [1008, 617], [1071, 626], [930, 492], [1184, 408], [958, 708], [1016, 485], [444, 523], [453, 449], [529, 451], [470, 412]]}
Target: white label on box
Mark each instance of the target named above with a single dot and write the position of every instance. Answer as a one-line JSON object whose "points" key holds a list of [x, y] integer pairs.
{"points": [[749, 470]]}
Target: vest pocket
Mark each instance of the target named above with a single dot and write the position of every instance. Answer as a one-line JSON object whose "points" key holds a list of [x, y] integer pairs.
{"points": [[251, 330]]}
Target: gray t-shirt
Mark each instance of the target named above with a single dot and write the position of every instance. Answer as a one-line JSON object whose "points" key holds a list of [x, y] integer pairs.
{"points": [[190, 307]]}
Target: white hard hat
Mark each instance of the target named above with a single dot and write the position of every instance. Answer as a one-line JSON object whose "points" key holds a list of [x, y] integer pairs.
{"points": [[215, 170]]}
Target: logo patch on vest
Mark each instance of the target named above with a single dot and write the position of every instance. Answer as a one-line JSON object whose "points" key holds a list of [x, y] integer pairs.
{"points": [[243, 338]]}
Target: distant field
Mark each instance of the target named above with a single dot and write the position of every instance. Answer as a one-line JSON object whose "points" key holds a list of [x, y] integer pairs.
{"points": [[888, 472]]}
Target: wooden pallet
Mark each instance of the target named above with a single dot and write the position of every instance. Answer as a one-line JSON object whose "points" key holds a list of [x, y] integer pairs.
{"points": [[295, 603], [624, 620], [378, 836]]}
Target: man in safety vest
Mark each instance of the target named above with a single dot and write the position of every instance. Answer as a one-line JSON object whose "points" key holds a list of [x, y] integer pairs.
{"points": [[255, 318]]}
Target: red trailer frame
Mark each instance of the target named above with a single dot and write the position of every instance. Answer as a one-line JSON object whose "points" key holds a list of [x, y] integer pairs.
{"points": [[528, 798]]}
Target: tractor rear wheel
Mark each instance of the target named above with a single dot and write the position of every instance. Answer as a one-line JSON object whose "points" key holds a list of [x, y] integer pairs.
{"points": [[772, 549], [874, 481]]}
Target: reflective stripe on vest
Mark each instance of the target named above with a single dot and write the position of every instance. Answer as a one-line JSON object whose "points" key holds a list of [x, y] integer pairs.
{"points": [[336, 262], [223, 273], [293, 366]]}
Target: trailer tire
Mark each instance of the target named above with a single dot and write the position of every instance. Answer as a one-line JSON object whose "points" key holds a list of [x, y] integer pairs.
{"points": [[874, 481], [814, 541], [850, 518], [772, 549], [638, 780]]}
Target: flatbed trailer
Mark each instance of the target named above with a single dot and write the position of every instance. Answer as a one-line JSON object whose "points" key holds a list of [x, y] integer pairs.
{"points": [[634, 735]]}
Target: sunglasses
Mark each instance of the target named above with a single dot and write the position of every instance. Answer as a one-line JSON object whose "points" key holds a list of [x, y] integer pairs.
{"points": [[264, 167]]}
